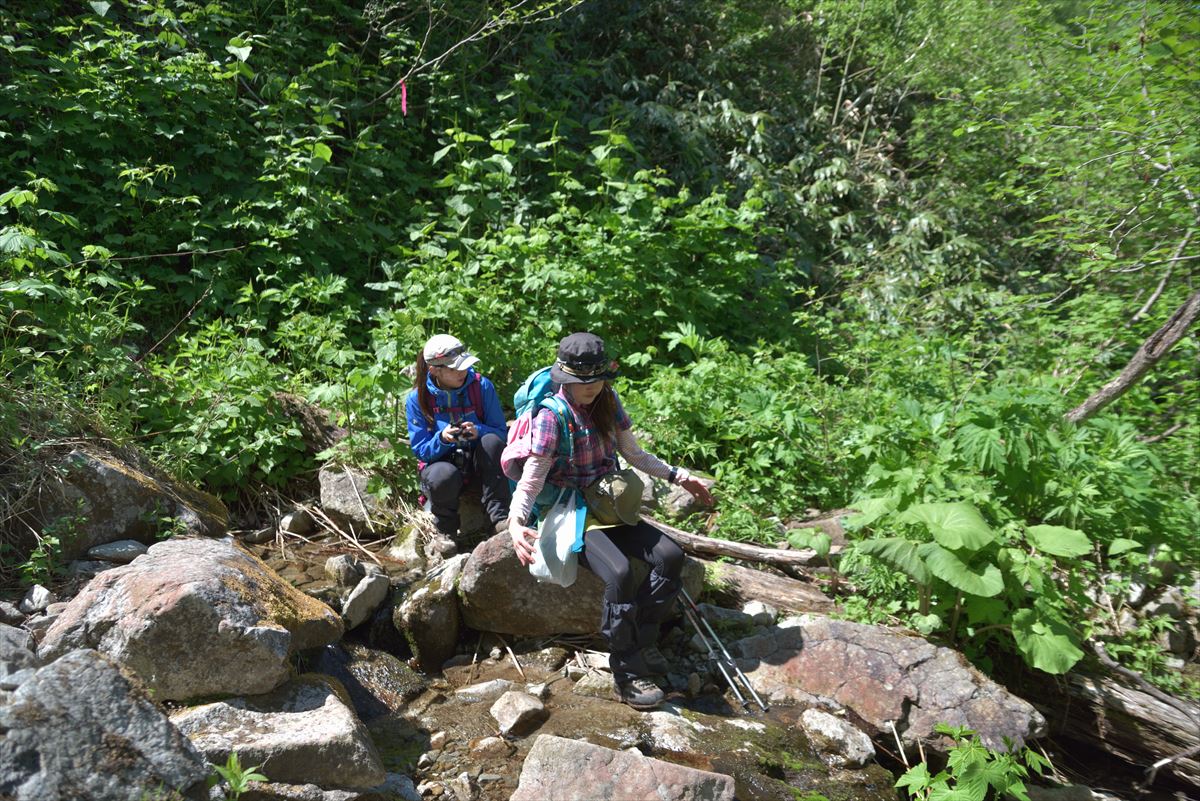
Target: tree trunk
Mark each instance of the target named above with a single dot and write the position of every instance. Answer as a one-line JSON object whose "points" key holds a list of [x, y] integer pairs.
{"points": [[698, 545], [1148, 355], [739, 585], [1128, 723]]}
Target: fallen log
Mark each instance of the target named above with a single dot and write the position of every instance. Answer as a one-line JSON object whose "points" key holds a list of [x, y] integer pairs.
{"points": [[1105, 713], [698, 545], [736, 585]]}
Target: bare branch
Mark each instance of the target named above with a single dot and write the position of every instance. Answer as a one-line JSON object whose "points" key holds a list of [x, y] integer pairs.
{"points": [[1149, 354]]}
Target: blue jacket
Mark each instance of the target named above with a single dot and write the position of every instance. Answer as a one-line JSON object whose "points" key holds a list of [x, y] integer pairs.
{"points": [[426, 440]]}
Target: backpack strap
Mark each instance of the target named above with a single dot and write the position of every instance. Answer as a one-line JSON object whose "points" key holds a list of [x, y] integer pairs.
{"points": [[475, 393], [566, 424], [474, 396]]}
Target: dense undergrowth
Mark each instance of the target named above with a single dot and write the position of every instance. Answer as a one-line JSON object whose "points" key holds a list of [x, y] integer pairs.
{"points": [[849, 254]]}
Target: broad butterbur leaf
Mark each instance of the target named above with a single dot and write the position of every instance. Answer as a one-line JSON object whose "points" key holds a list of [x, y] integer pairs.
{"points": [[1046, 643], [900, 554], [952, 570], [1059, 540], [953, 525]]}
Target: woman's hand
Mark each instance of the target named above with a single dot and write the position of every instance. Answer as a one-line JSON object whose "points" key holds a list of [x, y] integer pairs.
{"points": [[698, 490], [523, 540], [459, 432]]}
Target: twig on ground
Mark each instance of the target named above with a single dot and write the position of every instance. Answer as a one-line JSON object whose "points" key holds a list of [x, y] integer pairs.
{"points": [[514, 657], [899, 744]]}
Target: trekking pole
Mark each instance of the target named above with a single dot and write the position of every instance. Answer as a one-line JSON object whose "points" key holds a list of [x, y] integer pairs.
{"points": [[715, 658], [725, 661]]}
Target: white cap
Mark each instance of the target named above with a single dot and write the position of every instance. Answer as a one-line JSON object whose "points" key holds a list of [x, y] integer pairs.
{"points": [[443, 350]]}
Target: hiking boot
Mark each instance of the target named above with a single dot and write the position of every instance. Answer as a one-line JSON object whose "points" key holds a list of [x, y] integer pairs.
{"points": [[639, 693], [654, 660]]}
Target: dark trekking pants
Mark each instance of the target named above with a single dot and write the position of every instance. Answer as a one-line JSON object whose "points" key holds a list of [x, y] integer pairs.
{"points": [[442, 482], [632, 613]]}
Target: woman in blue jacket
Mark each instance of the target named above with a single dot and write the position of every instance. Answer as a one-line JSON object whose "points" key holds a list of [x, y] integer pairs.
{"points": [[457, 431]]}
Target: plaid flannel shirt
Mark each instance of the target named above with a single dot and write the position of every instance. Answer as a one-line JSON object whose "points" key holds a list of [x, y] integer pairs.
{"points": [[593, 457]]}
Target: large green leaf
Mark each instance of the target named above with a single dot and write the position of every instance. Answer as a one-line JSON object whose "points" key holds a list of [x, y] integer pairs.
{"points": [[900, 554], [1059, 540], [1046, 643], [954, 525], [949, 568]]}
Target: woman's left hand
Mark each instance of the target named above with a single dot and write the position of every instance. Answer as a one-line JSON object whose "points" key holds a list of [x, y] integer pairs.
{"points": [[698, 490]]}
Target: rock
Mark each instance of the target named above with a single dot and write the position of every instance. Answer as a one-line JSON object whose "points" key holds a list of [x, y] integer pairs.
{"points": [[318, 427], [344, 570], [301, 733], [1180, 638], [463, 787], [80, 729], [551, 658], [396, 787], [594, 685], [152, 615], [485, 688], [364, 599], [107, 499], [570, 770], [681, 503], [299, 522], [10, 615], [491, 748], [884, 675], [517, 712], [345, 498], [667, 731], [17, 656], [377, 682], [761, 613], [429, 616], [498, 594], [36, 599], [122, 551], [839, 743], [406, 548], [87, 568]]}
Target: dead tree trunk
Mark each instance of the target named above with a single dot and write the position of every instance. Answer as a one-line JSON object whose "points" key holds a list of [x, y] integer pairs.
{"points": [[698, 545], [1148, 355], [739, 584]]}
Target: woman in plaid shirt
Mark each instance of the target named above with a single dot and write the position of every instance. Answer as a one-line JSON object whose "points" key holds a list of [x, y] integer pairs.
{"points": [[631, 614]]}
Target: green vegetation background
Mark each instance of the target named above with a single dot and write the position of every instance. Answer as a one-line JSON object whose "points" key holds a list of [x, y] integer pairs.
{"points": [[850, 254]]}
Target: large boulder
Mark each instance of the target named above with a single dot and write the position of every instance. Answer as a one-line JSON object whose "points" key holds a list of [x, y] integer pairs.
{"points": [[101, 499], [79, 729], [195, 618], [302, 733], [429, 619], [885, 676], [571, 770], [498, 594]]}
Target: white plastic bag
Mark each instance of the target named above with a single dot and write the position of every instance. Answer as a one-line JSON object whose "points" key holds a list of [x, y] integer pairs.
{"points": [[553, 560]]}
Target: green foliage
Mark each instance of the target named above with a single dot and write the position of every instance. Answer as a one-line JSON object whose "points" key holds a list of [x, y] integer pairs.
{"points": [[973, 772], [877, 276], [237, 779]]}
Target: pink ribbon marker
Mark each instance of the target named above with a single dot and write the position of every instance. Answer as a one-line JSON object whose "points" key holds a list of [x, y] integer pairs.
{"points": [[403, 98]]}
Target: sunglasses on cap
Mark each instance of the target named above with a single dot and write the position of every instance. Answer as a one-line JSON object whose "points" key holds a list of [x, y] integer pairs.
{"points": [[446, 358], [587, 369]]}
